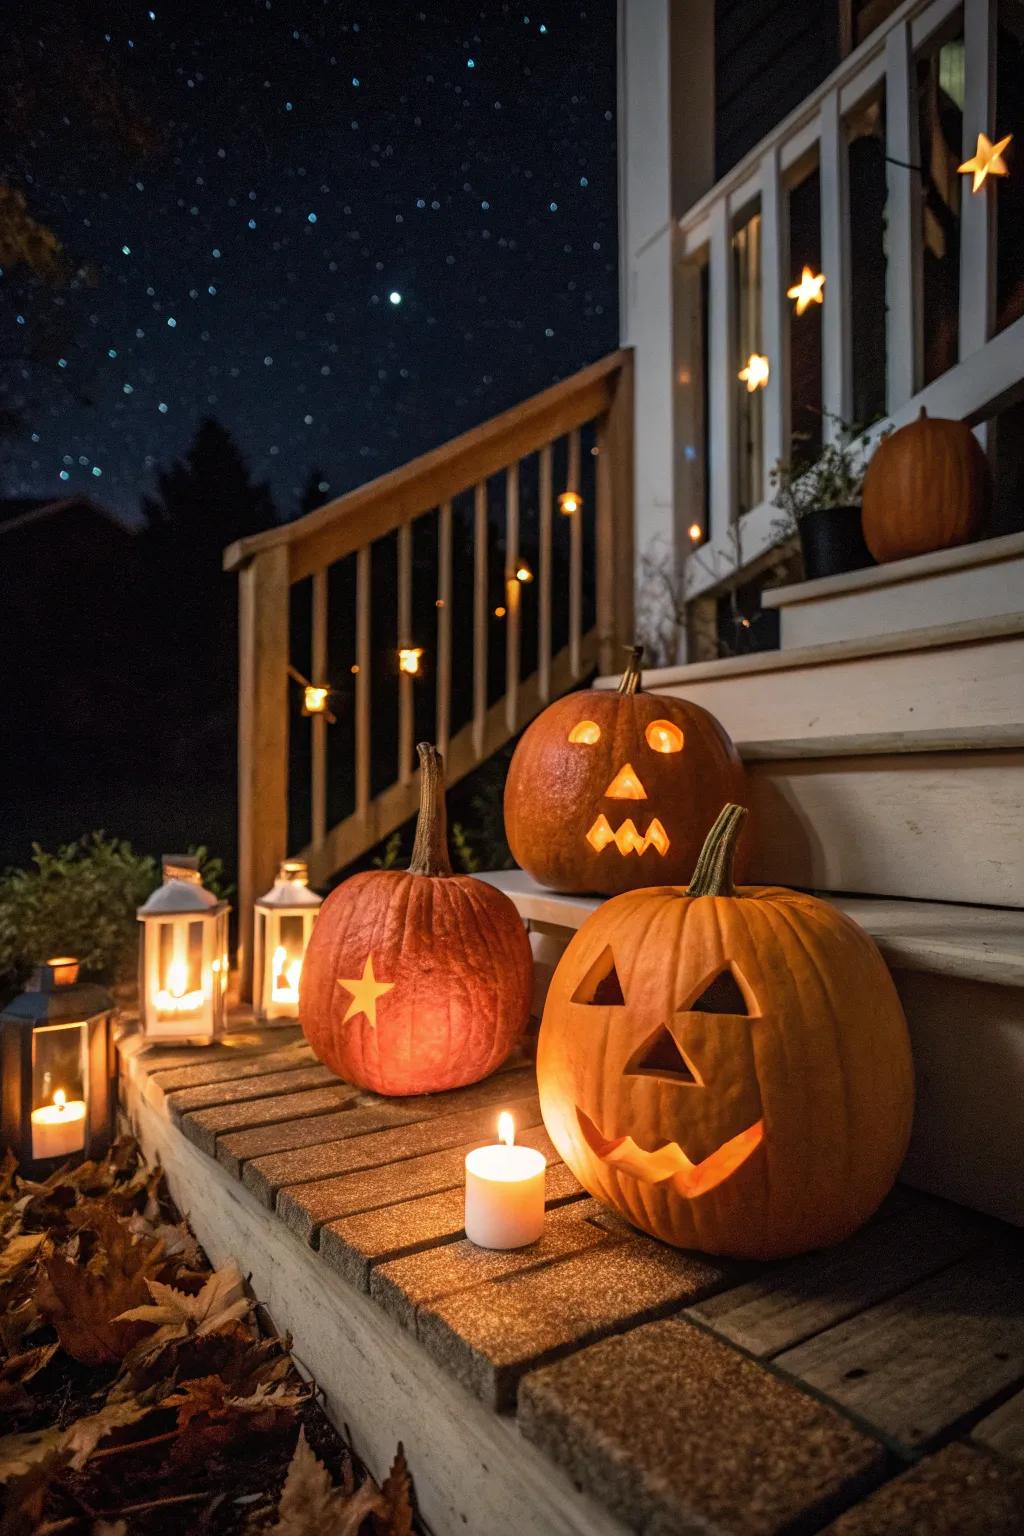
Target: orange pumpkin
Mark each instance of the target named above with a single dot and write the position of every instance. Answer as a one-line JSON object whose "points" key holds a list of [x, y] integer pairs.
{"points": [[927, 487], [420, 980], [728, 1068], [610, 791]]}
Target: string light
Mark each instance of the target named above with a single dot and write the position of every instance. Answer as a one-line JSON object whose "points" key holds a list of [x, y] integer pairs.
{"points": [[808, 290], [569, 502], [987, 160], [409, 659], [523, 572], [754, 373], [499, 612], [314, 699], [696, 533]]}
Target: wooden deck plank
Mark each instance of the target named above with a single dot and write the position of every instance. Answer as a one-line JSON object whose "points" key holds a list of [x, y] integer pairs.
{"points": [[492, 1335], [919, 1365], [674, 1432], [403, 1285], [266, 1175], [161, 1083], [1003, 1431], [959, 1491], [186, 1100], [353, 1245], [305, 1207], [143, 1057], [912, 1237], [202, 1127]]}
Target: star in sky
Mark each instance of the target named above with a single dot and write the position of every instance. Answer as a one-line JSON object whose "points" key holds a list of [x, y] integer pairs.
{"points": [[987, 160], [365, 990], [808, 290]]}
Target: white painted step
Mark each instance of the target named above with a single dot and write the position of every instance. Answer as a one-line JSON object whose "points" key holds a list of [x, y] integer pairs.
{"points": [[968, 674], [975, 582], [960, 974]]}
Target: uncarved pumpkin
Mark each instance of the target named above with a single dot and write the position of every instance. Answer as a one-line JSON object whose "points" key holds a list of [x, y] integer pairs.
{"points": [[420, 980], [927, 487], [609, 791], [727, 1068]]}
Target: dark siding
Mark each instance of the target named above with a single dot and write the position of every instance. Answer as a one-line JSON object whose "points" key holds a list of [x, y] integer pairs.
{"points": [[769, 55]]}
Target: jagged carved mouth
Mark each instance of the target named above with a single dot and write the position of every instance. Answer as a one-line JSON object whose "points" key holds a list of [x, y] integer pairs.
{"points": [[627, 839], [670, 1161]]}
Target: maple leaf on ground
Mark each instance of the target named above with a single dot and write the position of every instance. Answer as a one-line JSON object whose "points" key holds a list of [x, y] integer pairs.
{"points": [[175, 1314], [84, 1435], [18, 1252], [18, 1370], [397, 1496], [85, 1302], [310, 1505], [18, 1453], [178, 1241]]}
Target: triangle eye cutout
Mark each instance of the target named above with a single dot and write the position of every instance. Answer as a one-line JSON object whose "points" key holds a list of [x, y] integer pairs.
{"points": [[600, 986], [721, 995], [660, 1056]]}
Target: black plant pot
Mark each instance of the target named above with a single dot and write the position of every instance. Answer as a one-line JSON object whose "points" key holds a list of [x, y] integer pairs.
{"points": [[832, 541]]}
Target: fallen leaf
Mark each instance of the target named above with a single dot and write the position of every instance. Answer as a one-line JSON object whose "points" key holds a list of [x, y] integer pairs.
{"points": [[85, 1302], [175, 1314], [397, 1495], [85, 1434], [18, 1453], [310, 1505], [18, 1252]]}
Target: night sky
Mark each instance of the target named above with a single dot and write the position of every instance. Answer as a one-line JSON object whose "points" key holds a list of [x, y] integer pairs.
{"points": [[362, 230]]}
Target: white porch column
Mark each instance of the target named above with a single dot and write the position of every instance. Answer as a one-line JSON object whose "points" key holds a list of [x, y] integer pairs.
{"points": [[666, 161]]}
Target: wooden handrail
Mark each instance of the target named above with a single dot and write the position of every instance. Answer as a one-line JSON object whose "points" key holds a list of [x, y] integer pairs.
{"points": [[341, 526]]}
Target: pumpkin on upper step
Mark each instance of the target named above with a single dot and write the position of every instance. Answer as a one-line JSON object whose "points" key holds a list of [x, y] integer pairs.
{"points": [[609, 791], [728, 1068], [927, 487], [420, 980]]}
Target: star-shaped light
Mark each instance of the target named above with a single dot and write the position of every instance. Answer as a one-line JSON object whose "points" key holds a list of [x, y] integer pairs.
{"points": [[365, 990], [754, 373], [987, 160], [808, 290]]}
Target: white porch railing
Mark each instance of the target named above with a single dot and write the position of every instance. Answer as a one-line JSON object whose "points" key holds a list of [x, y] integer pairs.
{"points": [[989, 367]]}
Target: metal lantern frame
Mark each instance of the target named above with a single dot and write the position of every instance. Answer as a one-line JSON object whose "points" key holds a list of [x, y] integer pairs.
{"points": [[183, 957], [36, 1038], [282, 923]]}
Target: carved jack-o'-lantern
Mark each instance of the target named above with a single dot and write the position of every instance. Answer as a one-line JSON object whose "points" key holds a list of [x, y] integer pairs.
{"points": [[610, 791], [416, 980], [728, 1068]]}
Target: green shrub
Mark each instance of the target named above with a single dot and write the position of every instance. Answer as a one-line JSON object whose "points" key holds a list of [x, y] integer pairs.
{"points": [[81, 900]]}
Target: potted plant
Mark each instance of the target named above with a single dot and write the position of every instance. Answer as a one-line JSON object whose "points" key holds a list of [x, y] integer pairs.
{"points": [[820, 501]]}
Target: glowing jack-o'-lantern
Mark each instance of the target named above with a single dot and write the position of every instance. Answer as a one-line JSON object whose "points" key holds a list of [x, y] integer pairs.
{"points": [[609, 791], [727, 1068], [416, 980]]}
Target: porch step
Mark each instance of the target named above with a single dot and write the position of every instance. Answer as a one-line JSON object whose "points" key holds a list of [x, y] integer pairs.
{"points": [[976, 581], [959, 971]]}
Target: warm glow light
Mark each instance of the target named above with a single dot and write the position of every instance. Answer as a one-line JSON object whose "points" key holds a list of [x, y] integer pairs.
{"points": [[523, 572], [569, 502], [58, 1129], [626, 785], [627, 839], [987, 160], [506, 1128], [284, 977], [807, 291], [409, 659], [585, 733], [174, 998], [754, 373], [314, 699], [696, 532], [60, 1098], [499, 612], [354, 669], [663, 736]]}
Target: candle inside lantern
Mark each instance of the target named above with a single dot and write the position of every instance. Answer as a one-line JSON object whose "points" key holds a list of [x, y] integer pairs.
{"points": [[174, 998], [284, 976], [58, 1129], [504, 1192]]}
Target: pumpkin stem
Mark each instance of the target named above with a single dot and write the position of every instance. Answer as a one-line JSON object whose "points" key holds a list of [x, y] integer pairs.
{"points": [[430, 848], [712, 874], [632, 678]]}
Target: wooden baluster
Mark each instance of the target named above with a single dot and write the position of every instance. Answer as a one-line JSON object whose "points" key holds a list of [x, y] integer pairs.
{"points": [[614, 523], [363, 681], [774, 340], [318, 675], [405, 679], [479, 618], [544, 576], [444, 628], [903, 221], [836, 344], [575, 560], [263, 600], [513, 595]]}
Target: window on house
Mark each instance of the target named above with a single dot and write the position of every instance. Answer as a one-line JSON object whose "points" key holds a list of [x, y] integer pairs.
{"points": [[1009, 192], [865, 133], [805, 420]]}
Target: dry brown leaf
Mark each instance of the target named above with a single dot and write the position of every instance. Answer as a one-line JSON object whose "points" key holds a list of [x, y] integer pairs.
{"points": [[177, 1239], [310, 1504], [397, 1495], [18, 1453], [18, 1252], [18, 1370], [85, 1302], [175, 1314], [85, 1434]]}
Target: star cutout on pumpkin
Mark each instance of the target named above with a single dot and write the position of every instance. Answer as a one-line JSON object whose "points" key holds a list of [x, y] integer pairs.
{"points": [[987, 160], [808, 290], [365, 990], [754, 373]]}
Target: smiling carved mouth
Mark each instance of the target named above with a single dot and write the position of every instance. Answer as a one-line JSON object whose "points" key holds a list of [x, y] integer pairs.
{"points": [[670, 1161], [627, 839]]}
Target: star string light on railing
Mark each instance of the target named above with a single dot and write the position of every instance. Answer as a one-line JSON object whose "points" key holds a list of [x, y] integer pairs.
{"points": [[986, 161]]}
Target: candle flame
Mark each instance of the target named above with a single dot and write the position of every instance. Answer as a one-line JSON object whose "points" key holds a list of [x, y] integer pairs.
{"points": [[506, 1129], [60, 1098], [285, 975]]}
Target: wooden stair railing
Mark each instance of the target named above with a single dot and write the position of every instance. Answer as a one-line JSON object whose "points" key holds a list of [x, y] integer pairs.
{"points": [[271, 563]]}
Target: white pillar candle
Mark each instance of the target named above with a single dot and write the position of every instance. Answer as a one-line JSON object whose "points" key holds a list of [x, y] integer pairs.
{"points": [[504, 1192], [58, 1129]]}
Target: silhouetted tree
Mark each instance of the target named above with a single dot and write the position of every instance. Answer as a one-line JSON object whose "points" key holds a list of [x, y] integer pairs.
{"points": [[314, 493]]}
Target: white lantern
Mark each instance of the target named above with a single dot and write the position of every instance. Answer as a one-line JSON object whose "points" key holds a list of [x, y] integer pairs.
{"points": [[284, 920], [183, 977]]}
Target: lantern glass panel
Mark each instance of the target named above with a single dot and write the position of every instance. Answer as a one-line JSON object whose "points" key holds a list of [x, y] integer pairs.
{"points": [[60, 1083]]}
